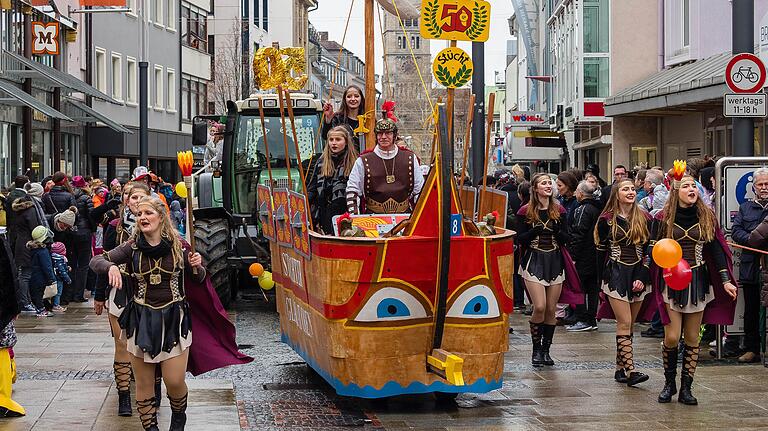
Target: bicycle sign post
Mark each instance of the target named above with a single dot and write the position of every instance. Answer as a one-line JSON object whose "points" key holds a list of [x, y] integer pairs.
{"points": [[745, 76], [745, 73]]}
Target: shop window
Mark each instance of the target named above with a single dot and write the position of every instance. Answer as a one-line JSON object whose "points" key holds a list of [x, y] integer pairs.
{"points": [[102, 169], [596, 77], [123, 169]]}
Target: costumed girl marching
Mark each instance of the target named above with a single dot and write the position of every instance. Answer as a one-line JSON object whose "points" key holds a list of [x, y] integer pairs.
{"points": [[710, 295], [545, 265], [162, 275], [117, 232], [622, 236]]}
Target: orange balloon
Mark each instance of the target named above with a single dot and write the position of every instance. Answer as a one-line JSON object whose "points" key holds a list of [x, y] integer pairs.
{"points": [[667, 253], [256, 269]]}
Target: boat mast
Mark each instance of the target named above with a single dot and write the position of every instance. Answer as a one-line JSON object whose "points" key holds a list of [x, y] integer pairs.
{"points": [[370, 75]]}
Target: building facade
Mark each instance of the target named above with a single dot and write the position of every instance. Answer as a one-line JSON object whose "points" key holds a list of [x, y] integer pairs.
{"points": [[401, 80], [150, 33], [677, 112]]}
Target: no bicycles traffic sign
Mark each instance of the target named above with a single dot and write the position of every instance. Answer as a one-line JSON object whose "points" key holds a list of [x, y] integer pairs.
{"points": [[745, 73]]}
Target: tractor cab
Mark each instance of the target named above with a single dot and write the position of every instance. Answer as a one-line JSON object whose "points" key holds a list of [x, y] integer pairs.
{"points": [[226, 223]]}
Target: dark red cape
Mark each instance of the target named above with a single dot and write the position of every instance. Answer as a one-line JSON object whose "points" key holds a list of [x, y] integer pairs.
{"points": [[722, 309], [213, 342], [571, 292]]}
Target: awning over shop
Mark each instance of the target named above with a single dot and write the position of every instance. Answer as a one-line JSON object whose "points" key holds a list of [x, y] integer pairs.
{"points": [[85, 114], [17, 96], [33, 69], [536, 134], [697, 82]]}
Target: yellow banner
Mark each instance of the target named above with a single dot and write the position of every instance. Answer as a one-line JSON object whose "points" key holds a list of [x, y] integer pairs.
{"points": [[467, 20]]}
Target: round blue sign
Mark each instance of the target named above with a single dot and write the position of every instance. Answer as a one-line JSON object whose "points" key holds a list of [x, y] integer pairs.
{"points": [[744, 190]]}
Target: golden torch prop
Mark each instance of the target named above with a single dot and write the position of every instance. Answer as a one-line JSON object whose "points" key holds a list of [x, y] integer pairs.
{"points": [[186, 160]]}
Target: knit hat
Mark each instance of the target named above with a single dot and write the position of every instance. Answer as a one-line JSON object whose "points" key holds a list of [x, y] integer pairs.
{"points": [[66, 218], [59, 248], [78, 181], [115, 182], [41, 233], [34, 189]]}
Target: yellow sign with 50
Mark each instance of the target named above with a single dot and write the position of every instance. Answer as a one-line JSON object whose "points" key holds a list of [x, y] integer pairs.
{"points": [[467, 20]]}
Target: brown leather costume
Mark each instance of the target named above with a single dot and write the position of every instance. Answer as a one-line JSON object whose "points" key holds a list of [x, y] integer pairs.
{"points": [[381, 196]]}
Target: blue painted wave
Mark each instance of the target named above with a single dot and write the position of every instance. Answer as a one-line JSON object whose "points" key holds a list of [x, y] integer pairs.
{"points": [[390, 388]]}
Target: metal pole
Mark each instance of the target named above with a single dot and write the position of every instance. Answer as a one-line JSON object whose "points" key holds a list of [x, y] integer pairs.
{"points": [[478, 127], [743, 29], [143, 91], [143, 110]]}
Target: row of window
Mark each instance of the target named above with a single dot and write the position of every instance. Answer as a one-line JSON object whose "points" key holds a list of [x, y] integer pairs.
{"points": [[402, 42], [194, 97], [160, 12], [260, 13], [124, 80]]}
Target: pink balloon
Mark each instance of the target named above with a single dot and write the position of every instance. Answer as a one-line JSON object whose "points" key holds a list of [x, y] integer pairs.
{"points": [[678, 277]]}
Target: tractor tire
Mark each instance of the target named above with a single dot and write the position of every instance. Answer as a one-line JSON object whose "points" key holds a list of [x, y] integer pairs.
{"points": [[212, 241]]}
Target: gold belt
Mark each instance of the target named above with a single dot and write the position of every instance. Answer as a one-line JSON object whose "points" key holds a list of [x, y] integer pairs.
{"points": [[390, 206]]}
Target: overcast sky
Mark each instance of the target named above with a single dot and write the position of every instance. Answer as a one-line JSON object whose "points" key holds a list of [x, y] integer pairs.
{"points": [[331, 16]]}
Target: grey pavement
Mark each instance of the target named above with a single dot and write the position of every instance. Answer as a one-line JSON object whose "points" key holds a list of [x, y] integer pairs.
{"points": [[65, 382]]}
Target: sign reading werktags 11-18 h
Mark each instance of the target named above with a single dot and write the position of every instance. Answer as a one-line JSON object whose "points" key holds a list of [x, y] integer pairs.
{"points": [[467, 20]]}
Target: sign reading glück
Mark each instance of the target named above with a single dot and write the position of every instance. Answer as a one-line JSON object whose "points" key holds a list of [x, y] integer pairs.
{"points": [[527, 118]]}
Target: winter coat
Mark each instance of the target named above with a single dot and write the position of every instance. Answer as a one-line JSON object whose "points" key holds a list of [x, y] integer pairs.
{"points": [[84, 204], [750, 215], [105, 213], [12, 196], [327, 195], [177, 215], [41, 264], [28, 215], [60, 268], [570, 205], [58, 200], [9, 307], [340, 119], [758, 238], [513, 203], [582, 244]]}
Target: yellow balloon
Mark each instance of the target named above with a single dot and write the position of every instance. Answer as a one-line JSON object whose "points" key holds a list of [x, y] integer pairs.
{"points": [[181, 190], [265, 281]]}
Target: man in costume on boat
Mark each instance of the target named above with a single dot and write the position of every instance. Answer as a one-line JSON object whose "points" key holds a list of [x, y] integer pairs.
{"points": [[386, 180]]}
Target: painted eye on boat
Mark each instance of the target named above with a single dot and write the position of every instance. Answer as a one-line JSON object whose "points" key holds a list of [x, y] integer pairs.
{"points": [[391, 303], [476, 302]]}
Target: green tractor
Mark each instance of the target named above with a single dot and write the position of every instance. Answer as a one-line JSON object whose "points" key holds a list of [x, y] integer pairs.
{"points": [[227, 229]]}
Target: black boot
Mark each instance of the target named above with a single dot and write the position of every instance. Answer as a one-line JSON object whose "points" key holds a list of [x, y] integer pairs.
{"points": [[624, 350], [620, 376], [690, 360], [178, 413], [147, 414], [546, 342], [124, 403], [123, 385], [537, 359], [670, 373]]}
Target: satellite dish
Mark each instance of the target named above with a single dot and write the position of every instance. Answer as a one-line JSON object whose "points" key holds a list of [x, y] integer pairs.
{"points": [[409, 9]]}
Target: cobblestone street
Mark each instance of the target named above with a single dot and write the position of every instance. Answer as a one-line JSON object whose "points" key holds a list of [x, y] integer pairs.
{"points": [[65, 381]]}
